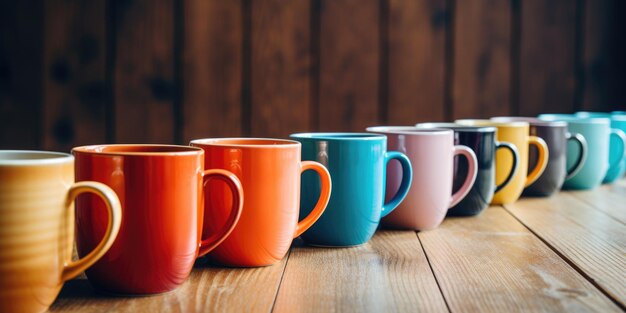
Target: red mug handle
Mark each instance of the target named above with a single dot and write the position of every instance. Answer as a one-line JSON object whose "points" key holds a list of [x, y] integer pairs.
{"points": [[233, 183]]}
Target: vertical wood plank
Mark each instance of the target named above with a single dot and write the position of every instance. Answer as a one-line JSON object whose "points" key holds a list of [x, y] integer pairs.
{"points": [[349, 64], [417, 33], [75, 92], [492, 263], [21, 70], [481, 84], [212, 69], [280, 67], [144, 84], [547, 58], [388, 274], [617, 92]]}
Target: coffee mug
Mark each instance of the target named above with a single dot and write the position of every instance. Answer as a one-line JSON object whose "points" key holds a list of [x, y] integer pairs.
{"points": [[161, 191], [516, 133], [37, 192], [616, 147], [597, 131], [357, 164], [556, 136], [482, 140], [270, 171], [432, 153]]}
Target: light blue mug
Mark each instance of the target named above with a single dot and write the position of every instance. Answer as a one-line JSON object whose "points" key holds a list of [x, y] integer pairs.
{"points": [[618, 121], [598, 132], [357, 163]]}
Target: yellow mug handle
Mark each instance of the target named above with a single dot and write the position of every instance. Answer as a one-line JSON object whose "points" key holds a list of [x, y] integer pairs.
{"points": [[73, 268], [542, 159]]}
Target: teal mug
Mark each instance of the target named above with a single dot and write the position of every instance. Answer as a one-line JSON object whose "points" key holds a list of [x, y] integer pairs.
{"points": [[357, 163], [598, 132], [618, 121]]}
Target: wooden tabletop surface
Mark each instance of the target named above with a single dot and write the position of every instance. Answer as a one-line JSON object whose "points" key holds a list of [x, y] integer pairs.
{"points": [[565, 253]]}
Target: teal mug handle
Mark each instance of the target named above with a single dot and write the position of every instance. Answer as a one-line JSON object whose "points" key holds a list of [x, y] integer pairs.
{"points": [[582, 156], [622, 136], [407, 178]]}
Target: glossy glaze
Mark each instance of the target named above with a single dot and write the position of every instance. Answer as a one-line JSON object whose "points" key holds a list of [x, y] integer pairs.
{"points": [[482, 140], [517, 134], [37, 191], [556, 136], [357, 165], [161, 191], [432, 153], [597, 132], [617, 168], [270, 171]]}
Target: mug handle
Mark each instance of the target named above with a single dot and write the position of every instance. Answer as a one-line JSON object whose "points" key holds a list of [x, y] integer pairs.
{"points": [[622, 136], [233, 183], [511, 147], [472, 171], [582, 156], [322, 202], [112, 203], [542, 159], [405, 184]]}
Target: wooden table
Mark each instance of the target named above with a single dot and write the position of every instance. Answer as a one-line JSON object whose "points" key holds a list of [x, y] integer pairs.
{"points": [[565, 253]]}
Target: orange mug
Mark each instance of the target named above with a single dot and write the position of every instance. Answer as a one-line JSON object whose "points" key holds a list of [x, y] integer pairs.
{"points": [[269, 170], [160, 188]]}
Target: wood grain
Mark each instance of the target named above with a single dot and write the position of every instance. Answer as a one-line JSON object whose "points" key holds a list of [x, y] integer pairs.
{"points": [[212, 69], [481, 83], [388, 274], [21, 72], [349, 65], [492, 263], [608, 198], [547, 56], [416, 51], [208, 289], [591, 240], [144, 84], [281, 68], [75, 88]]}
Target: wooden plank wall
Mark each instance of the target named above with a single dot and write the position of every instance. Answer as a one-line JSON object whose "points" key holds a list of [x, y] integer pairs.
{"points": [[80, 72]]}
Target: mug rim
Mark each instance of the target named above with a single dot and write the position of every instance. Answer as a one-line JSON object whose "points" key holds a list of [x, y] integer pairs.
{"points": [[533, 121], [240, 142], [573, 118], [339, 136], [594, 114], [457, 127], [54, 159], [488, 122], [409, 130], [118, 150]]}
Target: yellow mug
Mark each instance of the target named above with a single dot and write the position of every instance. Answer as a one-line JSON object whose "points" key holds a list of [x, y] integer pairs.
{"points": [[37, 190], [517, 134]]}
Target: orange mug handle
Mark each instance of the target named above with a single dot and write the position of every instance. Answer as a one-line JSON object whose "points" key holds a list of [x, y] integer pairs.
{"points": [[542, 159], [326, 183], [233, 183], [112, 203]]}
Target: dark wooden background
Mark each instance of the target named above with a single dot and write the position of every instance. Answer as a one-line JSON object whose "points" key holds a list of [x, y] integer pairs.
{"points": [[74, 72]]}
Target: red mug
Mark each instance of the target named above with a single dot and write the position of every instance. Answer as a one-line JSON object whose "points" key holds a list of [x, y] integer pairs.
{"points": [[160, 188]]}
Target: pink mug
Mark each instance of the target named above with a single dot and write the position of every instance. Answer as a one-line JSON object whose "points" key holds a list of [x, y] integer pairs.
{"points": [[432, 153]]}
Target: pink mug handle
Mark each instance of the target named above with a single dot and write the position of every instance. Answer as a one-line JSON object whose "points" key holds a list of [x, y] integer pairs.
{"points": [[472, 171]]}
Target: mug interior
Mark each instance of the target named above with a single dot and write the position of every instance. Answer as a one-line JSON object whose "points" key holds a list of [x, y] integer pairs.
{"points": [[248, 142], [456, 127], [572, 118], [15, 157], [339, 136], [133, 149], [531, 120], [408, 129], [486, 122]]}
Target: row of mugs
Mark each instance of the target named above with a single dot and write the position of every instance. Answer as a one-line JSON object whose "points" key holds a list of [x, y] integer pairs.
{"points": [[148, 211]]}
